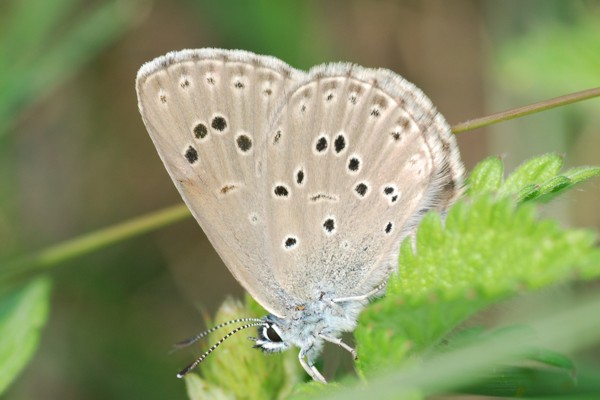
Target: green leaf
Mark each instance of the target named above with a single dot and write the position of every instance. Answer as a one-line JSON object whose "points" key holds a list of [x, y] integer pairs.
{"points": [[529, 192], [486, 176], [571, 328], [535, 170], [391, 332], [552, 188], [197, 389], [488, 249], [548, 190], [236, 370], [23, 314], [489, 246], [536, 179], [580, 174], [554, 359]]}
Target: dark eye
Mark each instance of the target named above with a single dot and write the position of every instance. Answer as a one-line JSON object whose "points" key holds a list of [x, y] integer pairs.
{"points": [[272, 334]]}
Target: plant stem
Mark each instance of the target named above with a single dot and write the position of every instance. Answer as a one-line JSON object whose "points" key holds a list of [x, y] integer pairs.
{"points": [[83, 244], [525, 110]]}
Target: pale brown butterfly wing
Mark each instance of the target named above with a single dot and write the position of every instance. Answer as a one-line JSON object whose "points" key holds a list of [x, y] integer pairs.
{"points": [[207, 112], [356, 156], [317, 200]]}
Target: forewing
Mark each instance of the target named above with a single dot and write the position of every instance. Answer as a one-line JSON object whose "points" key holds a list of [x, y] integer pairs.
{"points": [[207, 112], [356, 156]]}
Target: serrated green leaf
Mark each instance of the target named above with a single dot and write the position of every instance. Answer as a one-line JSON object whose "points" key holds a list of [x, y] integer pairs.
{"points": [[546, 191], [535, 180], [486, 177], [555, 184], [391, 333], [492, 247], [23, 314], [487, 249], [580, 174], [529, 192], [535, 170]]}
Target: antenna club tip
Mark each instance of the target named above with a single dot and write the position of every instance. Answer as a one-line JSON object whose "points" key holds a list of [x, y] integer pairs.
{"points": [[180, 375]]}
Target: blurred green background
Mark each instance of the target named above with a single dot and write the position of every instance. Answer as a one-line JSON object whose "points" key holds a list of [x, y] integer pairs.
{"points": [[75, 156]]}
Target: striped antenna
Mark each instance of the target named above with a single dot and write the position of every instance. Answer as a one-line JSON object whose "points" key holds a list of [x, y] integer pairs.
{"points": [[190, 341], [193, 365]]}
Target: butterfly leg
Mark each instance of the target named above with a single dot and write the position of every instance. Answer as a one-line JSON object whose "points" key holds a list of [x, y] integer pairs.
{"points": [[340, 343], [362, 297], [309, 367]]}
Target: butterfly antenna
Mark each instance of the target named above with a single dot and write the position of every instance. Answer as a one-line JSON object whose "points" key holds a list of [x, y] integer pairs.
{"points": [[192, 340], [193, 365]]}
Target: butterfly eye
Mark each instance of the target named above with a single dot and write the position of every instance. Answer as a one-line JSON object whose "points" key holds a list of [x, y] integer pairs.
{"points": [[272, 334]]}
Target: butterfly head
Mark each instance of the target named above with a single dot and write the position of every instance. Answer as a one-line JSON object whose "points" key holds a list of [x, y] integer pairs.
{"points": [[270, 337], [305, 325]]}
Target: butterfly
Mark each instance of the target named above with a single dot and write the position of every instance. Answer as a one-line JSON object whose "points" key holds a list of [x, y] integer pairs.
{"points": [[305, 183]]}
